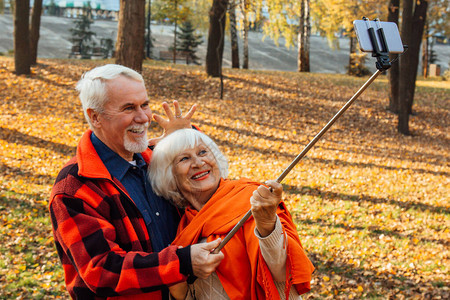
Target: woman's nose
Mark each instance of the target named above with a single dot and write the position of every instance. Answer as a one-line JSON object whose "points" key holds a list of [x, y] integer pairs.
{"points": [[198, 162]]}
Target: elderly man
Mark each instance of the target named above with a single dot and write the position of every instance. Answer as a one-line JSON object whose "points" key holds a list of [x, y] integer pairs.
{"points": [[112, 232]]}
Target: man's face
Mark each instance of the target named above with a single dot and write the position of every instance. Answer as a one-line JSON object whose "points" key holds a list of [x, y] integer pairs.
{"points": [[123, 124]]}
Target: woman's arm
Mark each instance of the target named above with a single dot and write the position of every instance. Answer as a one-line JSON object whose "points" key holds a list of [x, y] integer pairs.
{"points": [[273, 249]]}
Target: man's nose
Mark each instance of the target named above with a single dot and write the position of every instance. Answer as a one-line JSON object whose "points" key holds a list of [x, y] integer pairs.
{"points": [[142, 116]]}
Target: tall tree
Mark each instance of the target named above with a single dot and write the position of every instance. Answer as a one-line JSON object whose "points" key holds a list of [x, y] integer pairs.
{"points": [[21, 37], [281, 15], [394, 71], [425, 50], [245, 29], [413, 21], [233, 36], [216, 38], [82, 33], [303, 37], [34, 30], [131, 34], [335, 17], [188, 41], [437, 22], [148, 37], [175, 31]]}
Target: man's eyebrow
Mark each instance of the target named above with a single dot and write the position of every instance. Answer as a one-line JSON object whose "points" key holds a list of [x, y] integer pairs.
{"points": [[127, 104]]}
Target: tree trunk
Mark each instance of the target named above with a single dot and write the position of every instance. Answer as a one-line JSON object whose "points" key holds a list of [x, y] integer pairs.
{"points": [[216, 37], [174, 51], [413, 22], [425, 53], [405, 67], [131, 34], [394, 71], [34, 30], [352, 56], [22, 37], [303, 38], [419, 20], [148, 41], [234, 38], [245, 33], [425, 57]]}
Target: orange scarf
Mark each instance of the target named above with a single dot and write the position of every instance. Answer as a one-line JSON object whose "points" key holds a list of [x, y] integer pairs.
{"points": [[243, 272]]}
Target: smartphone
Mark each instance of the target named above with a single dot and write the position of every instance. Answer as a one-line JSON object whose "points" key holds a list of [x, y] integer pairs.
{"points": [[391, 33]]}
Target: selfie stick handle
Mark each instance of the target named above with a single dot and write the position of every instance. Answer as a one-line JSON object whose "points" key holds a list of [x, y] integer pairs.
{"points": [[301, 155]]}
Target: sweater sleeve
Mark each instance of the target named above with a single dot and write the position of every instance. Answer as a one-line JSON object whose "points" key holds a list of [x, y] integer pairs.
{"points": [[273, 249], [86, 242]]}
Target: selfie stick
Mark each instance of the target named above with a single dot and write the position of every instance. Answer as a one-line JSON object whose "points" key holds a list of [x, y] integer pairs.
{"points": [[381, 64]]}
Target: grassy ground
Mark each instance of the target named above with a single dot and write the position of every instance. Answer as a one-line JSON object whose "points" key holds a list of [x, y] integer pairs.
{"points": [[371, 206]]}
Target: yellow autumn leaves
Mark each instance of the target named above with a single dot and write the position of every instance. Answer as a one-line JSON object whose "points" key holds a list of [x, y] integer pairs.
{"points": [[371, 206]]}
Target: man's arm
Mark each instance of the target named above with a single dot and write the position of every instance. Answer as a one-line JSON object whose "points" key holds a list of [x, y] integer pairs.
{"points": [[88, 241]]}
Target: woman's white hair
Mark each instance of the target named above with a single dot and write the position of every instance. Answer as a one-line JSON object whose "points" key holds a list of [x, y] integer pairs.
{"points": [[92, 86], [161, 167]]}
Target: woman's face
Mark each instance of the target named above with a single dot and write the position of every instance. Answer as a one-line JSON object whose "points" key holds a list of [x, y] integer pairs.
{"points": [[197, 174]]}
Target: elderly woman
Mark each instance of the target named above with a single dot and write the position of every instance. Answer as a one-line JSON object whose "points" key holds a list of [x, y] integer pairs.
{"points": [[264, 259]]}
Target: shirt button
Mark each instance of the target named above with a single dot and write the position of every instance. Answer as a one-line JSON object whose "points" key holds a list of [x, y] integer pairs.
{"points": [[157, 213]]}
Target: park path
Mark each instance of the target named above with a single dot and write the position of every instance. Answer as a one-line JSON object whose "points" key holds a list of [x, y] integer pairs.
{"points": [[263, 53]]}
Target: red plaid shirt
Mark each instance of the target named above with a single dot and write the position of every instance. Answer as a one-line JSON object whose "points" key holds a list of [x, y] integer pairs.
{"points": [[101, 237]]}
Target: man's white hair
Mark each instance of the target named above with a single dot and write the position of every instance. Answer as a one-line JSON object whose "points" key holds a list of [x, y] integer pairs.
{"points": [[161, 166], [92, 86]]}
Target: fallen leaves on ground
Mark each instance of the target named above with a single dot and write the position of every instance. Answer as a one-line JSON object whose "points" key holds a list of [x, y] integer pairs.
{"points": [[371, 205]]}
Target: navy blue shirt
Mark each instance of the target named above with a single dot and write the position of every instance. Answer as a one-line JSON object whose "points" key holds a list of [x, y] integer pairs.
{"points": [[160, 216]]}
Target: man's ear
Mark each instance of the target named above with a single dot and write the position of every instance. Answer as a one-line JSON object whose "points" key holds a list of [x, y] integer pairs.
{"points": [[94, 117]]}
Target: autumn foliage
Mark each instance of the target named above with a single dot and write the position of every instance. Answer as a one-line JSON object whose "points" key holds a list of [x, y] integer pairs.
{"points": [[371, 206]]}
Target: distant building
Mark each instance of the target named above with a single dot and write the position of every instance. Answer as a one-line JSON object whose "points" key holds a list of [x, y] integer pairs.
{"points": [[101, 9], [111, 5]]}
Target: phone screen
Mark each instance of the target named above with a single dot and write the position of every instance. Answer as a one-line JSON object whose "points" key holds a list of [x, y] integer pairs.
{"points": [[391, 34]]}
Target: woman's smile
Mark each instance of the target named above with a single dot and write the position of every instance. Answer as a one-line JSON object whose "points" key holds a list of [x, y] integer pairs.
{"points": [[201, 175]]}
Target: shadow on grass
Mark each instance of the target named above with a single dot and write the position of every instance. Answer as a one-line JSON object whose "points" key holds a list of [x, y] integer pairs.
{"points": [[27, 176], [381, 284], [23, 203], [373, 231], [15, 136], [290, 189], [268, 151]]}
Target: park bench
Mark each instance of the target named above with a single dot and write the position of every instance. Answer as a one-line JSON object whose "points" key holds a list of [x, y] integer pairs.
{"points": [[75, 52], [180, 55], [98, 53]]}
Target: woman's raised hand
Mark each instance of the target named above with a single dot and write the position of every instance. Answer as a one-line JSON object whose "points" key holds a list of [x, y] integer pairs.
{"points": [[175, 120]]}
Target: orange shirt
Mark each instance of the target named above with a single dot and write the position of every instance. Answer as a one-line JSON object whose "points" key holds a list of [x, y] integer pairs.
{"points": [[243, 272]]}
